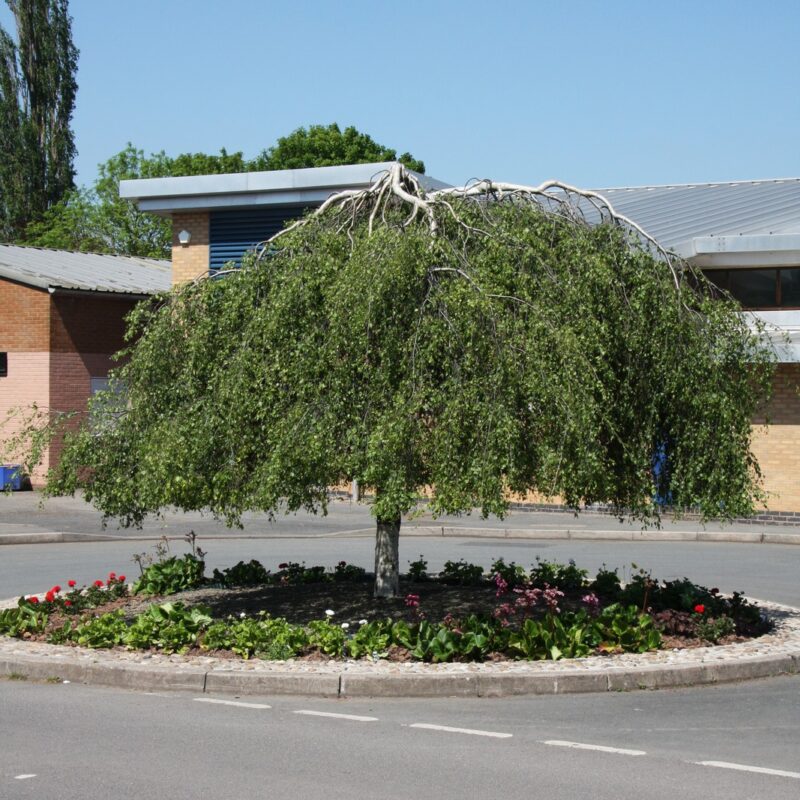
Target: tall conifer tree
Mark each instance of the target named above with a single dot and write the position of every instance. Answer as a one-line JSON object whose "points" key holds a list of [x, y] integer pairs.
{"points": [[37, 99]]}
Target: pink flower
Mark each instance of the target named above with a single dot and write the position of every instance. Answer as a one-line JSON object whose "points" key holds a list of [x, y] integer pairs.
{"points": [[412, 600]]}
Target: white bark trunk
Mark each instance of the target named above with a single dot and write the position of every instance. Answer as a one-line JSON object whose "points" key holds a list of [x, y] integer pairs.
{"points": [[387, 558]]}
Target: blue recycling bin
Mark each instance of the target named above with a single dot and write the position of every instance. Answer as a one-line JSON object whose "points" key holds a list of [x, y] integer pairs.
{"points": [[10, 477]]}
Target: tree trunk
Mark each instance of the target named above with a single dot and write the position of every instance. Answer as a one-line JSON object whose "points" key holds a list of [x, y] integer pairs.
{"points": [[387, 558]]}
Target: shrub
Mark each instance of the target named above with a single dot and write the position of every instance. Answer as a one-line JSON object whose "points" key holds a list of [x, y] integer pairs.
{"points": [[462, 573], [252, 573]]}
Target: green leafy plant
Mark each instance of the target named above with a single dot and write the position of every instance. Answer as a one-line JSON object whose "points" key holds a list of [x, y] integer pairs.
{"points": [[171, 627], [25, 618], [171, 575], [371, 640], [325, 636], [106, 630]]}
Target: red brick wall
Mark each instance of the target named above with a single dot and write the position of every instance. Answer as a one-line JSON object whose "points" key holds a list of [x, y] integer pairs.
{"points": [[87, 324], [55, 345], [24, 318]]}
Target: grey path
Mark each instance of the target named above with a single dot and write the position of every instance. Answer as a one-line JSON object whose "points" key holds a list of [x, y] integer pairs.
{"points": [[78, 742], [22, 512]]}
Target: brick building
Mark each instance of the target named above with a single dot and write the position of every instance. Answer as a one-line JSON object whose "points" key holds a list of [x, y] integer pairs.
{"points": [[744, 235], [61, 319]]}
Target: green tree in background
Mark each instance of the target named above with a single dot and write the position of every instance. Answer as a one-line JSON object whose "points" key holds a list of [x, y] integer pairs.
{"points": [[329, 146], [476, 342], [97, 220], [37, 98]]}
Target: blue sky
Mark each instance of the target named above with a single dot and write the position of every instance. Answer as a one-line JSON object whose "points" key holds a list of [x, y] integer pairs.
{"points": [[595, 93]]}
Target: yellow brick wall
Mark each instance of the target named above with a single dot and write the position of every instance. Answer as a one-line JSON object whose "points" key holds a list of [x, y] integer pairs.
{"points": [[777, 447], [192, 260]]}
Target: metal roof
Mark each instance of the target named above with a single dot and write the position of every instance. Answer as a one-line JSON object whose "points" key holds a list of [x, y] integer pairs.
{"points": [[92, 272], [249, 189], [676, 214]]}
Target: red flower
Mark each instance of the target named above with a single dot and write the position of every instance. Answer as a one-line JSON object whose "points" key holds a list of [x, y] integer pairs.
{"points": [[112, 576], [121, 579], [33, 599], [56, 589], [98, 583], [71, 584], [68, 602], [699, 609], [49, 597]]}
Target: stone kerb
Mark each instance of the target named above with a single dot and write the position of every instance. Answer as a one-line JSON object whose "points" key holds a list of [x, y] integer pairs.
{"points": [[777, 653]]}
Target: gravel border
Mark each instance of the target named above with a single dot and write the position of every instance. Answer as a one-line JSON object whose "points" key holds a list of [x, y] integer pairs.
{"points": [[776, 653]]}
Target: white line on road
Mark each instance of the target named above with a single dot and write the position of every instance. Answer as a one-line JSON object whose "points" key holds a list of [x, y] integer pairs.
{"points": [[352, 717], [23, 777], [600, 747], [745, 768], [230, 703], [470, 731]]}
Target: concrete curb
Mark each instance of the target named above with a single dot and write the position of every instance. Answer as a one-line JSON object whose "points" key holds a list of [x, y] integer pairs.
{"points": [[739, 537], [777, 653], [361, 684]]}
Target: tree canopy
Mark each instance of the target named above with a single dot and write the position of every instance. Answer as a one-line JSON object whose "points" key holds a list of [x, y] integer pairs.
{"points": [[470, 343], [37, 98], [97, 220], [329, 146]]}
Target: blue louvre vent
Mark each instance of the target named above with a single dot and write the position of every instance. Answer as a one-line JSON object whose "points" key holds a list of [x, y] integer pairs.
{"points": [[233, 233]]}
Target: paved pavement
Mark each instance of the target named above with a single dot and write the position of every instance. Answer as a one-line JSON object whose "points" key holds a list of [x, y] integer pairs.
{"points": [[718, 743], [24, 517]]}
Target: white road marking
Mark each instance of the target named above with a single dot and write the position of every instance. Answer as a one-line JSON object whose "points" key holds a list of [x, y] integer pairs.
{"points": [[23, 777], [745, 768], [600, 747], [352, 717], [230, 703], [470, 731]]}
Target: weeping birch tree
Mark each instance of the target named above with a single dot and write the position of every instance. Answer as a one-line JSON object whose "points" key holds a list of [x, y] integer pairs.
{"points": [[464, 345]]}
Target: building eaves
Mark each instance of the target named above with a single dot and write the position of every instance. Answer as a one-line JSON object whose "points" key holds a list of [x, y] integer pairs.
{"points": [[89, 272]]}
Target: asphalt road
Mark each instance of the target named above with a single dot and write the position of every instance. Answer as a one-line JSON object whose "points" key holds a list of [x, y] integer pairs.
{"points": [[70, 741]]}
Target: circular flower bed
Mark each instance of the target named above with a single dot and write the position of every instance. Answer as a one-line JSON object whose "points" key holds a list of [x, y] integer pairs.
{"points": [[549, 611]]}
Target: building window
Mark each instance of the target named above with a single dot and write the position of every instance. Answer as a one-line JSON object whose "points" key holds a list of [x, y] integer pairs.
{"points": [[3, 365], [759, 288]]}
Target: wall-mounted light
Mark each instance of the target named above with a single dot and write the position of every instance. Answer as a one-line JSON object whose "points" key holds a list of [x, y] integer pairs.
{"points": [[184, 237]]}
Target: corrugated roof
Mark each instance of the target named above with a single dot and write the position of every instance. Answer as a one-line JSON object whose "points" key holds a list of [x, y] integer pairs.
{"points": [[93, 272], [676, 214]]}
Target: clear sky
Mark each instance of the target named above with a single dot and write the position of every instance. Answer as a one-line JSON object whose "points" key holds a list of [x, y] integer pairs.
{"points": [[596, 93]]}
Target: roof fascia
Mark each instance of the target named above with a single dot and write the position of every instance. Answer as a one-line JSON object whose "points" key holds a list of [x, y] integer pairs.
{"points": [[768, 250], [235, 190]]}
